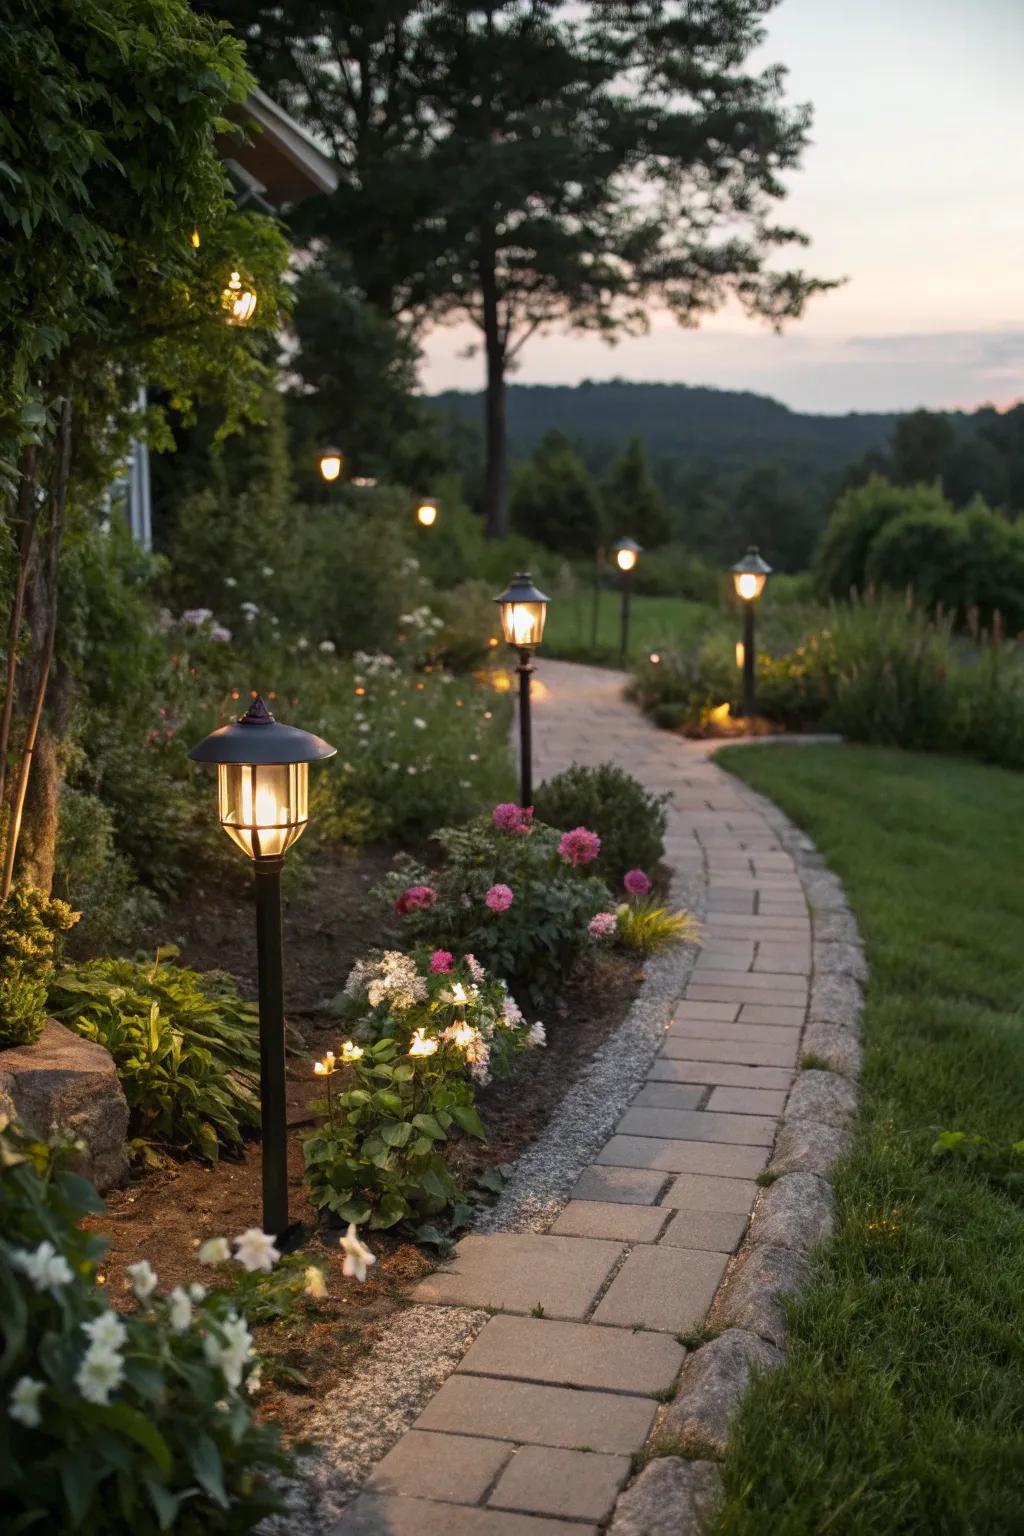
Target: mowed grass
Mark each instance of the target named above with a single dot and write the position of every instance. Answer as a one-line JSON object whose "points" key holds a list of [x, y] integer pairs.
{"points": [[654, 621], [901, 1405]]}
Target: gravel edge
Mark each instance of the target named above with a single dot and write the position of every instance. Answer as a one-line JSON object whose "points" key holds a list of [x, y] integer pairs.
{"points": [[682, 1492]]}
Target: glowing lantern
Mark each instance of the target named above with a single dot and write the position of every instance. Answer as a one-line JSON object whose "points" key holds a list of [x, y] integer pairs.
{"points": [[426, 512], [523, 609], [330, 464], [239, 301], [627, 552], [749, 575]]}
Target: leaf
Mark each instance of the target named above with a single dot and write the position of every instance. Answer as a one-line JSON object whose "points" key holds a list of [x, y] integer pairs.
{"points": [[205, 1461], [129, 1421], [165, 1503], [468, 1120], [429, 1126], [396, 1133]]}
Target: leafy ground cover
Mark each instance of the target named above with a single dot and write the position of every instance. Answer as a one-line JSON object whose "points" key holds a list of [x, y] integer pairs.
{"points": [[903, 1393]]}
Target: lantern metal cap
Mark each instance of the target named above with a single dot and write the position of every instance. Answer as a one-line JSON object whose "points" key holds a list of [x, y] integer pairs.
{"points": [[752, 564], [258, 739], [330, 453], [522, 590], [627, 544]]}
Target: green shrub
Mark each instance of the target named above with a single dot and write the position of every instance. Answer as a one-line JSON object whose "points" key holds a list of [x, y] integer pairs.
{"points": [[629, 820], [184, 1046], [424, 1031], [125, 1426], [891, 677], [30, 926], [97, 880], [512, 898]]}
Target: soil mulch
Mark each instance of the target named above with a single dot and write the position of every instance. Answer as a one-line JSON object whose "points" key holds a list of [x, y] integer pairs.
{"points": [[163, 1214]]}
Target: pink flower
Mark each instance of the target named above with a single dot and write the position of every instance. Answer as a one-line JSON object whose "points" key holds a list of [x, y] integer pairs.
{"points": [[602, 925], [579, 846], [475, 969], [509, 817], [636, 882], [499, 898], [441, 961], [415, 899]]}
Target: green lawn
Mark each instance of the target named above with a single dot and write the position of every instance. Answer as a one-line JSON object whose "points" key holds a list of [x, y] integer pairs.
{"points": [[901, 1405], [654, 621]]}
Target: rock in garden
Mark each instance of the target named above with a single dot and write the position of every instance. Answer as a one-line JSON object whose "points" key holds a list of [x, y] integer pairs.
{"points": [[62, 1082], [711, 1386], [753, 1293], [807, 1146], [835, 1045], [796, 1212], [671, 1497], [822, 1096], [835, 999]]}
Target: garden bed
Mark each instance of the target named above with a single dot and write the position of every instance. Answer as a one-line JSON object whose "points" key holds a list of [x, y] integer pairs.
{"points": [[162, 1214]]}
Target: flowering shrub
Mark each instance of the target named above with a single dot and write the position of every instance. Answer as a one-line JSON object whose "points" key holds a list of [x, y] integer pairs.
{"points": [[424, 1029], [627, 818], [514, 892], [183, 1043], [636, 882], [127, 1425]]}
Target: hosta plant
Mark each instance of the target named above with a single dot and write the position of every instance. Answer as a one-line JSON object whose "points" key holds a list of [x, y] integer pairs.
{"points": [[183, 1043], [423, 1031]]}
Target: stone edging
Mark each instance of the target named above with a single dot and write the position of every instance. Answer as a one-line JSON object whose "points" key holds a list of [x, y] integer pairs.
{"points": [[681, 1494]]}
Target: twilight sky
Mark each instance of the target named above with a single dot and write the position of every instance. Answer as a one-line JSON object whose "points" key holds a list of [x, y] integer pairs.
{"points": [[912, 188]]}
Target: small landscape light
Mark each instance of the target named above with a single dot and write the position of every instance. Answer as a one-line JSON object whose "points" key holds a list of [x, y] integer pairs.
{"points": [[426, 512], [749, 576], [239, 301], [523, 608], [330, 464]]}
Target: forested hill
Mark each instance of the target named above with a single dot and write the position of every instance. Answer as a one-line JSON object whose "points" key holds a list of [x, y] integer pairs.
{"points": [[732, 429]]}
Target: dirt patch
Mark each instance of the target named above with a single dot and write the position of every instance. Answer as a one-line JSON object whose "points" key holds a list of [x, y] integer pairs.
{"points": [[163, 1215]]}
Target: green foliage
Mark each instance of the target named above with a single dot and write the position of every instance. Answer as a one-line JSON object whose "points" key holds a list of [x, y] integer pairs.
{"points": [[536, 943], [633, 503], [174, 1445], [97, 880], [554, 500], [857, 520], [1001, 1165], [645, 925], [184, 1046], [902, 1392], [30, 928], [629, 820], [420, 1039]]}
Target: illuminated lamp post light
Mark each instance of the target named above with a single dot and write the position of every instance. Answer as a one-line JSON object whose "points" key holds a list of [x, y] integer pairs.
{"points": [[426, 512], [749, 576], [330, 464], [262, 801], [239, 301], [523, 610], [627, 552]]}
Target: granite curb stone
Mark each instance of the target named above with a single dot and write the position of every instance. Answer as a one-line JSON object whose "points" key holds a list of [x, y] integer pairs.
{"points": [[711, 1387]]}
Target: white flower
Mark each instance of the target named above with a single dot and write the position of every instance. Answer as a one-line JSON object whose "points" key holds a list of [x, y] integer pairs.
{"points": [[99, 1374], [214, 1251], [179, 1309], [196, 615], [255, 1381], [537, 1035], [220, 634], [316, 1285], [255, 1250], [47, 1269], [143, 1279], [420, 725], [357, 1256], [249, 609], [410, 770], [106, 1330], [23, 1402], [268, 570], [364, 725], [475, 969], [421, 1045], [303, 644], [197, 1292], [474, 757], [229, 581], [233, 1352], [327, 646], [350, 1051], [511, 1012]]}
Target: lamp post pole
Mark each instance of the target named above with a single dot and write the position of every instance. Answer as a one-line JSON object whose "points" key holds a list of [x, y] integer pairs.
{"points": [[525, 670], [627, 583], [274, 1115], [749, 657]]}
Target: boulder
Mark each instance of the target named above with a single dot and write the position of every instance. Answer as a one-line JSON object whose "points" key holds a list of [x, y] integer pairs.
{"points": [[797, 1212], [62, 1082], [671, 1497], [807, 1146], [712, 1384], [754, 1291]]}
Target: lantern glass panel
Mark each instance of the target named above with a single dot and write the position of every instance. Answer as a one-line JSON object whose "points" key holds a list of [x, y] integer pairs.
{"points": [[330, 465], [426, 512], [625, 559], [523, 623], [263, 808], [749, 584]]}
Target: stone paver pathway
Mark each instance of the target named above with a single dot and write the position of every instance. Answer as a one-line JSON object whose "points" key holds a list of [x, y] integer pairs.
{"points": [[532, 1435]]}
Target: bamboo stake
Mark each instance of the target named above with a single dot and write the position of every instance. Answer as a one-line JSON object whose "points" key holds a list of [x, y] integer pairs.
{"points": [[28, 517]]}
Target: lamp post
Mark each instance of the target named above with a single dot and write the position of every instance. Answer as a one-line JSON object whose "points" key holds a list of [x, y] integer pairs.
{"points": [[749, 576], [627, 552], [330, 464], [262, 801], [426, 512], [523, 609]]}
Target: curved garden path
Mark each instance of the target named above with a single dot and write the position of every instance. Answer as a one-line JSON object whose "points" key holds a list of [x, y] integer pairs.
{"points": [[578, 1325]]}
